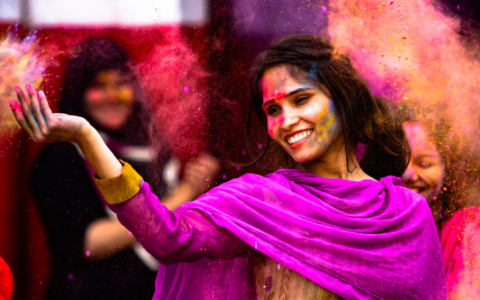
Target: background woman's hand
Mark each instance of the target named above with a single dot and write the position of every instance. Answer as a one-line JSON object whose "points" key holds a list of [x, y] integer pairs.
{"points": [[37, 119], [199, 173]]}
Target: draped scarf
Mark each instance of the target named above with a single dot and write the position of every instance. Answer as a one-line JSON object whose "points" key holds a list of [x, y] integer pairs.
{"points": [[360, 240]]}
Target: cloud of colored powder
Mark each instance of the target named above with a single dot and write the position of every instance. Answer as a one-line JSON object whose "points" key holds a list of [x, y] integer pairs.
{"points": [[411, 53], [19, 65], [175, 84]]}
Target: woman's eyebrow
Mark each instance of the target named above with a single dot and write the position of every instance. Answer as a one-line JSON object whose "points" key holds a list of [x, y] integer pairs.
{"points": [[287, 95]]}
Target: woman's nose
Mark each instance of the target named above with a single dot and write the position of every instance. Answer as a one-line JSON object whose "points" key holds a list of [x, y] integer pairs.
{"points": [[410, 173], [290, 119], [112, 94]]}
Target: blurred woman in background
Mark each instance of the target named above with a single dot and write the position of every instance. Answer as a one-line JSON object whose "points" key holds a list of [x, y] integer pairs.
{"points": [[446, 172], [93, 255]]}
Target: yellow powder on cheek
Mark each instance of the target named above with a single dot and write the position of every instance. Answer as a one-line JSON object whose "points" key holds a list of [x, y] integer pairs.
{"points": [[323, 127], [125, 95]]}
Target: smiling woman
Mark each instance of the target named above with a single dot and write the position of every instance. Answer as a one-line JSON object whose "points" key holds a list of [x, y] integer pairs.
{"points": [[109, 99], [446, 173], [301, 117], [331, 228], [425, 172], [320, 83]]}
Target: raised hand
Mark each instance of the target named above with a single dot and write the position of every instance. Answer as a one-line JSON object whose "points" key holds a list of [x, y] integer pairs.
{"points": [[200, 173], [37, 119]]}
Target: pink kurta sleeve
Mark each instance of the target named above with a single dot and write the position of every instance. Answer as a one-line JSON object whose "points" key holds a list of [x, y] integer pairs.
{"points": [[182, 236]]}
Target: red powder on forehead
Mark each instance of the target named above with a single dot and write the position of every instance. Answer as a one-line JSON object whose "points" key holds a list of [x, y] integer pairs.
{"points": [[274, 96], [280, 96], [271, 93]]}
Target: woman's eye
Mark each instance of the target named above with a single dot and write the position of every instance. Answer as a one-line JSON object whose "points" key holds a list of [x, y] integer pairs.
{"points": [[301, 99], [426, 164], [272, 110]]}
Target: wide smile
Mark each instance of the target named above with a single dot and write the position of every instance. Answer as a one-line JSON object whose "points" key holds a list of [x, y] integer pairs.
{"points": [[296, 139], [416, 188]]}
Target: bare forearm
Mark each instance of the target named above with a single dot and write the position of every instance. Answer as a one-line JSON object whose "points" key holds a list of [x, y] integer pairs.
{"points": [[180, 195], [198, 177], [102, 160], [105, 237]]}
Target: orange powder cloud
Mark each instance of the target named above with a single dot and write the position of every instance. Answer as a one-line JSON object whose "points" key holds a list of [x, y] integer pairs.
{"points": [[411, 53], [19, 65]]}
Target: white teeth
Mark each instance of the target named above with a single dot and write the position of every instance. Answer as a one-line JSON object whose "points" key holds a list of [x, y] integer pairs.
{"points": [[299, 136]]}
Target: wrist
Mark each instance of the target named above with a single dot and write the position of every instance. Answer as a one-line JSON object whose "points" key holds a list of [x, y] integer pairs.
{"points": [[84, 134]]}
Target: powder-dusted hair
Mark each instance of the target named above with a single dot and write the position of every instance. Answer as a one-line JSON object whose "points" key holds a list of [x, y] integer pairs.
{"points": [[460, 159]]}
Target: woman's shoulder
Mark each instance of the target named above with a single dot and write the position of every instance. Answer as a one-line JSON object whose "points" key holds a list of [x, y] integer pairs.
{"points": [[250, 179], [277, 177], [462, 218], [395, 183]]}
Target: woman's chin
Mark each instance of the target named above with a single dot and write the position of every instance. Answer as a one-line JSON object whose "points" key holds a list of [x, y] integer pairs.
{"points": [[303, 158], [112, 125]]}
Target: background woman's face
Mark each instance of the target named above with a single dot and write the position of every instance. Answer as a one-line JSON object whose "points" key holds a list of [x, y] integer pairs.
{"points": [[301, 118], [109, 99], [425, 172]]}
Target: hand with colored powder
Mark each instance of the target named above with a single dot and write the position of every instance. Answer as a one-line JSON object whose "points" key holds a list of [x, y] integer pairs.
{"points": [[200, 173], [37, 119]]}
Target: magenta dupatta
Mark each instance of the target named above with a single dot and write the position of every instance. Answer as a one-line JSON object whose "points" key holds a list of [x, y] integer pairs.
{"points": [[360, 240]]}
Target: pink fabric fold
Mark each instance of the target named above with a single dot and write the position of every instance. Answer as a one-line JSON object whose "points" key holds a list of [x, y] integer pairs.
{"points": [[359, 240]]}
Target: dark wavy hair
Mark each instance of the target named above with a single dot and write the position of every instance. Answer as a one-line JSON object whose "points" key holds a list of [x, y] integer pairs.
{"points": [[88, 59], [364, 119]]}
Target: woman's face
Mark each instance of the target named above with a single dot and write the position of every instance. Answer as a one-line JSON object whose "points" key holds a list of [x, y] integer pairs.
{"points": [[109, 99], [425, 172], [301, 118]]}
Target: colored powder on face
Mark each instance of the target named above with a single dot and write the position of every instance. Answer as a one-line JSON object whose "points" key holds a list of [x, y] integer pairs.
{"points": [[327, 125], [279, 95]]}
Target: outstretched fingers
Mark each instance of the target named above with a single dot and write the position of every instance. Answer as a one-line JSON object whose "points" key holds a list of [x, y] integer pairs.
{"points": [[28, 113], [35, 105], [17, 112], [37, 119], [45, 108]]}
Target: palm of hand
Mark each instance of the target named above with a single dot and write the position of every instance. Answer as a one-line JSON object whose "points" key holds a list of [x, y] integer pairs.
{"points": [[199, 174], [37, 119]]}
